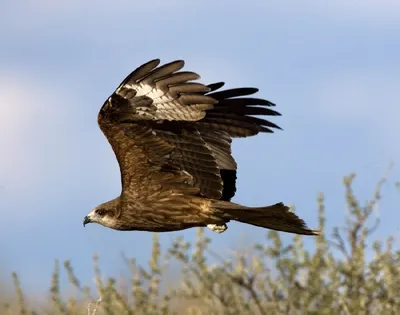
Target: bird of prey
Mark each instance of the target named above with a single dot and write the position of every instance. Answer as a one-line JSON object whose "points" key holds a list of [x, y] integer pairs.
{"points": [[172, 140]]}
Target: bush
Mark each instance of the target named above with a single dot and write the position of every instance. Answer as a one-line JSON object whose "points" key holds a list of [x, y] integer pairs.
{"points": [[333, 278]]}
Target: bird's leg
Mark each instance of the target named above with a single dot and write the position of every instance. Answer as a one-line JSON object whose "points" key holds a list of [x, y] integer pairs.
{"points": [[218, 228]]}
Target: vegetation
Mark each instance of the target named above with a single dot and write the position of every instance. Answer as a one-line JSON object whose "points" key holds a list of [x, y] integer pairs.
{"points": [[334, 277]]}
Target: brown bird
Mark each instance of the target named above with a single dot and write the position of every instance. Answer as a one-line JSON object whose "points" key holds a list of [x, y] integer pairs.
{"points": [[172, 139]]}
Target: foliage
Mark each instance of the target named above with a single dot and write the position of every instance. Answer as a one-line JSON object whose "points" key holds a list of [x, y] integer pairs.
{"points": [[334, 277]]}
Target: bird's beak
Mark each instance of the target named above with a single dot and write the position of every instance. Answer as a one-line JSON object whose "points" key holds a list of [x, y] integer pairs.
{"points": [[86, 220]]}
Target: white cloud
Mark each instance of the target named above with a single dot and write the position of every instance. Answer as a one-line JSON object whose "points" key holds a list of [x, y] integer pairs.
{"points": [[30, 112], [52, 150]]}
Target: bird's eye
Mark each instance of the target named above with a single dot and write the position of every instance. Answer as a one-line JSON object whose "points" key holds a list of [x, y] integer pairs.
{"points": [[101, 212]]}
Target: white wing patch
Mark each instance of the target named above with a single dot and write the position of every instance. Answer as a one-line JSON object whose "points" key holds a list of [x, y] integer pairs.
{"points": [[170, 95], [166, 106]]}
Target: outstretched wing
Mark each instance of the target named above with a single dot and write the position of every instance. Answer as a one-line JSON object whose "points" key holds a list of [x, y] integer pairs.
{"points": [[231, 117], [173, 135], [150, 150]]}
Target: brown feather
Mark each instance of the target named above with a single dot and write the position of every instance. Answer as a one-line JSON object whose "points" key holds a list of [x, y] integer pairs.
{"points": [[140, 72], [276, 217], [172, 140]]}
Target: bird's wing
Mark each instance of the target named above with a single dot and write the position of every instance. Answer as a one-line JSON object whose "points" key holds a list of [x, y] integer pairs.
{"points": [[168, 131], [234, 112], [152, 152], [233, 116]]}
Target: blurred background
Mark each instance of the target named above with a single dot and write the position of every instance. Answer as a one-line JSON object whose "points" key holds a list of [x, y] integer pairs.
{"points": [[332, 68]]}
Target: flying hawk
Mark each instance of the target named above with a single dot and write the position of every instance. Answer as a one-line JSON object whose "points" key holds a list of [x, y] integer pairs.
{"points": [[172, 139]]}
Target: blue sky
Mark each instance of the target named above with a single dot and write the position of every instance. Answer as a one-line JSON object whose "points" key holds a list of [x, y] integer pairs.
{"points": [[332, 68]]}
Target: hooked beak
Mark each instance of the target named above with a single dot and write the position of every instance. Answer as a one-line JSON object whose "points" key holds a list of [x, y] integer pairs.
{"points": [[86, 220]]}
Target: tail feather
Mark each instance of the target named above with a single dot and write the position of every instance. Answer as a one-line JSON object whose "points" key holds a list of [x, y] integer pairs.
{"points": [[276, 217]]}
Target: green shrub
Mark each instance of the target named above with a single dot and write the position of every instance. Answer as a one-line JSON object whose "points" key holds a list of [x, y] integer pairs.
{"points": [[334, 277]]}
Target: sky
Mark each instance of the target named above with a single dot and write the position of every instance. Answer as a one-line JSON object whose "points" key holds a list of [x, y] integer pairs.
{"points": [[332, 68]]}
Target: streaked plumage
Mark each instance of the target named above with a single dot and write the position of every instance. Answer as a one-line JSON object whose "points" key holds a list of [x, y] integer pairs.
{"points": [[172, 139]]}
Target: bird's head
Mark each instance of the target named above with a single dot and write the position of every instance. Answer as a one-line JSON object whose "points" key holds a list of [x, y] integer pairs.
{"points": [[103, 214]]}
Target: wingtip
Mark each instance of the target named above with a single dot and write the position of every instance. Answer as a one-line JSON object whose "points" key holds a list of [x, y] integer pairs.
{"points": [[156, 61], [181, 63]]}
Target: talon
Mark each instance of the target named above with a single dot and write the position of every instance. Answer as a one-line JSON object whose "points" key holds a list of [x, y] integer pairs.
{"points": [[217, 228]]}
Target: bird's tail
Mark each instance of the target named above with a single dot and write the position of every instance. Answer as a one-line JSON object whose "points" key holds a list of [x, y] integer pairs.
{"points": [[276, 217]]}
